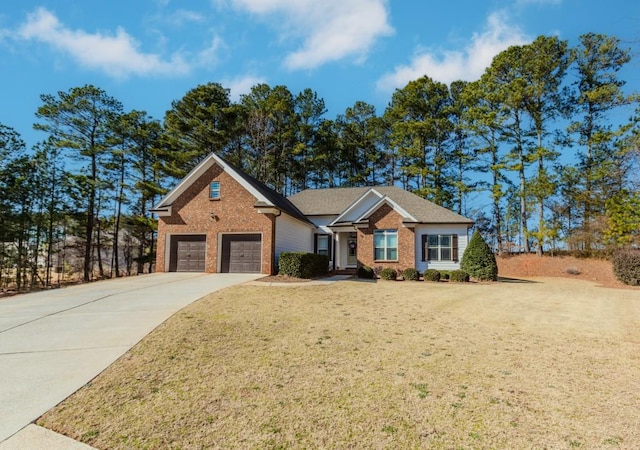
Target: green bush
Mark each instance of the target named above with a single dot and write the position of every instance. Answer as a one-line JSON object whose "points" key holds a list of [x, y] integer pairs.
{"points": [[303, 265], [626, 266], [445, 274], [478, 260], [431, 275], [365, 272], [459, 276], [388, 274], [411, 274]]}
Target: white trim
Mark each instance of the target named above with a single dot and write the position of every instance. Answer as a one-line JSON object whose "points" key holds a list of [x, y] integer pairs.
{"points": [[354, 204], [197, 171], [391, 203]]}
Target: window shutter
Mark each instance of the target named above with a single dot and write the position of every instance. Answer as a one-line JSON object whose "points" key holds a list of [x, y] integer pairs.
{"points": [[424, 247], [329, 246], [454, 247], [315, 243]]}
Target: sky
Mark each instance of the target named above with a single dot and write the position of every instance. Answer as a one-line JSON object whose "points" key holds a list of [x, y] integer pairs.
{"points": [[148, 53]]}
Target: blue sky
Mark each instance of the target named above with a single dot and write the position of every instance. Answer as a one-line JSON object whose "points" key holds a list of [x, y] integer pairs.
{"points": [[147, 53]]}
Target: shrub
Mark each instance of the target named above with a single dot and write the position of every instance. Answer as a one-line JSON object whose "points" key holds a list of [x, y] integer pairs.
{"points": [[388, 274], [626, 266], [410, 274], [431, 275], [478, 260], [303, 265], [445, 274], [459, 276], [365, 272]]}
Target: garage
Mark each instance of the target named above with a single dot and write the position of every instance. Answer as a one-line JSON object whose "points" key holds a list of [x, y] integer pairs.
{"points": [[241, 253], [188, 253]]}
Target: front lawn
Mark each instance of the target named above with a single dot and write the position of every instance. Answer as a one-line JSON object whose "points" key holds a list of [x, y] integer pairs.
{"points": [[376, 365]]}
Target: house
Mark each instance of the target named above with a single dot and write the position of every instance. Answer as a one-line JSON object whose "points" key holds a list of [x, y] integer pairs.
{"points": [[220, 219]]}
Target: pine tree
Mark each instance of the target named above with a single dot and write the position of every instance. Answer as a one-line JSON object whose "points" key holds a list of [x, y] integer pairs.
{"points": [[478, 259]]}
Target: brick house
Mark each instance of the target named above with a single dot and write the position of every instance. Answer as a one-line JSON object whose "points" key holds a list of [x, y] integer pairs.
{"points": [[220, 219]]}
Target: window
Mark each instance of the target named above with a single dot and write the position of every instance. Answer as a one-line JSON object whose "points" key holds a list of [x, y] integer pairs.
{"points": [[385, 243], [214, 190], [440, 247], [323, 244]]}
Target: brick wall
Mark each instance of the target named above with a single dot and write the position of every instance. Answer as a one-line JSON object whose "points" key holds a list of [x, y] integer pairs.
{"points": [[386, 218], [191, 214]]}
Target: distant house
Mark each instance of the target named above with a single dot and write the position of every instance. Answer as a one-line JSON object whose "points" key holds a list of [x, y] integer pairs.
{"points": [[220, 219]]}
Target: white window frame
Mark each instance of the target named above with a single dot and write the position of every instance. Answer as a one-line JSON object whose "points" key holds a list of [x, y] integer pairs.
{"points": [[439, 247], [214, 192], [386, 248]]}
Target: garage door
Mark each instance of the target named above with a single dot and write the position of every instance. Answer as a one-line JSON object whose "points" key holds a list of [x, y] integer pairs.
{"points": [[188, 253], [242, 253]]}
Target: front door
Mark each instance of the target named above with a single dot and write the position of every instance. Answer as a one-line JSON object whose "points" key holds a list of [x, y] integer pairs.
{"points": [[352, 250]]}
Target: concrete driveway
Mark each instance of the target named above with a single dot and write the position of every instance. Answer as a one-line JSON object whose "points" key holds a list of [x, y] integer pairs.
{"points": [[54, 342]]}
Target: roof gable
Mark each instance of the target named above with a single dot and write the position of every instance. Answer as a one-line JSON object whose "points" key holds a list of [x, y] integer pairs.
{"points": [[406, 217], [336, 201], [362, 204], [264, 195]]}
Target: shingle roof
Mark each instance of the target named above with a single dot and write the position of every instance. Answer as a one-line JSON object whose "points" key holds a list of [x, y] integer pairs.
{"points": [[333, 201], [272, 196]]}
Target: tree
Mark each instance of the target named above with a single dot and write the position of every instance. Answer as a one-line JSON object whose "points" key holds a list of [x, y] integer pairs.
{"points": [[461, 155], [623, 219], [507, 76], [484, 117], [78, 121], [309, 109], [359, 132], [478, 259], [421, 127], [16, 200], [197, 125], [545, 62], [597, 60], [271, 134], [146, 179], [51, 173]]}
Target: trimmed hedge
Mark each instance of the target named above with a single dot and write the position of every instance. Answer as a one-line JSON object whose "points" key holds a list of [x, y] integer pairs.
{"points": [[626, 266], [365, 272], [445, 274], [478, 260], [411, 274], [431, 275], [303, 265], [459, 276], [388, 274]]}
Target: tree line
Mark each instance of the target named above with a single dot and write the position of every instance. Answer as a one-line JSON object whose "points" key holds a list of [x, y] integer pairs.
{"points": [[534, 151]]}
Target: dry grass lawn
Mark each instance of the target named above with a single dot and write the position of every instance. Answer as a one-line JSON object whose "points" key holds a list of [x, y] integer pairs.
{"points": [[548, 364]]}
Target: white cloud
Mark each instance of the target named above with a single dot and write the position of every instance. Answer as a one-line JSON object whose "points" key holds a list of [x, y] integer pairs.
{"points": [[241, 85], [209, 56], [117, 55], [182, 16], [466, 64], [331, 30]]}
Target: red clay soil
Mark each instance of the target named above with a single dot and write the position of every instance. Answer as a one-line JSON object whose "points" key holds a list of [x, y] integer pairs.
{"points": [[527, 266]]}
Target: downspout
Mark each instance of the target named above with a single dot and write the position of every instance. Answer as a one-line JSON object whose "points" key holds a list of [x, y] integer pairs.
{"points": [[273, 243]]}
